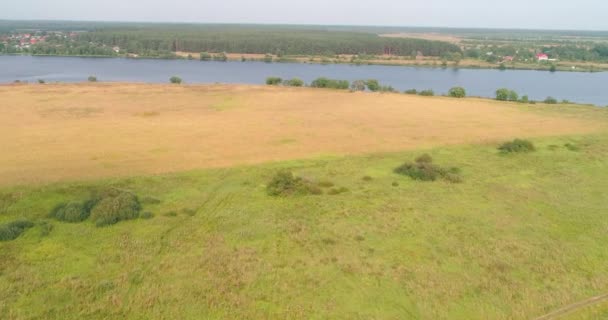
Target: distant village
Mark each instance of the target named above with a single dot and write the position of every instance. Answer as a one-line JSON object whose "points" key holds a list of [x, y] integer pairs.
{"points": [[22, 41]]}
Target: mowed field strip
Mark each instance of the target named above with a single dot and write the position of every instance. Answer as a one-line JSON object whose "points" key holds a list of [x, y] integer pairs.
{"points": [[80, 131]]}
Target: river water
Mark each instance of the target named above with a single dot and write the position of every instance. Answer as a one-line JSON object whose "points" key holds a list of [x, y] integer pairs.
{"points": [[574, 86]]}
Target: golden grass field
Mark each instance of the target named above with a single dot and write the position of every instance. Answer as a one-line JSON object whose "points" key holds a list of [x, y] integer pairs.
{"points": [[81, 131]]}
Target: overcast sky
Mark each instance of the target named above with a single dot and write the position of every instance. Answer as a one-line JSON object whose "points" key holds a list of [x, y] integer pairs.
{"points": [[541, 14]]}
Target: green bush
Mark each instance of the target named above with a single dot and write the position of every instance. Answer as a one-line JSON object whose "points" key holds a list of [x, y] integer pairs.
{"points": [[113, 209], [367, 178], [295, 82], [41, 81], [524, 99], [550, 100], [92, 79], [273, 81], [572, 147], [457, 92], [513, 96], [373, 85], [411, 91], [284, 183], [517, 146], [330, 83], [45, 228], [12, 230], [423, 169], [72, 212], [175, 80], [502, 94], [427, 93]]}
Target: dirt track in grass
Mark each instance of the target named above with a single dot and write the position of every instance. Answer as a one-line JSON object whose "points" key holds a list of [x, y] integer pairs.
{"points": [[81, 131]]}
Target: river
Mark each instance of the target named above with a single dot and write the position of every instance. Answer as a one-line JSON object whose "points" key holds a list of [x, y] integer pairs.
{"points": [[574, 86]]}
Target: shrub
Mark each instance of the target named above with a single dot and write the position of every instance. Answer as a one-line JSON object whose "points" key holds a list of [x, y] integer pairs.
{"points": [[572, 147], [373, 85], [395, 184], [411, 91], [358, 85], [367, 178], [524, 99], [295, 82], [330, 83], [273, 81], [175, 80], [502, 94], [427, 93], [387, 89], [423, 169], [457, 92], [284, 183], [41, 81], [425, 158], [45, 228], [113, 209], [513, 96], [92, 79], [72, 212], [517, 146], [550, 100], [12, 230], [205, 56]]}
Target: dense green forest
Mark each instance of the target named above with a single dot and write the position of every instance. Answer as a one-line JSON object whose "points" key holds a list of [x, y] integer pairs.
{"points": [[261, 40], [162, 39]]}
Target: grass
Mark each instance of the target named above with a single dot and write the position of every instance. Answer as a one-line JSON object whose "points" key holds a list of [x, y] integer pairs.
{"points": [[139, 129], [520, 237]]}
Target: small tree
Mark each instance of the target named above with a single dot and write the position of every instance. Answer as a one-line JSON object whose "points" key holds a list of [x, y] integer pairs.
{"points": [[457, 92], [372, 85], [513, 96], [92, 79], [550, 100], [524, 99], [358, 85], [502, 94], [175, 80], [273, 81]]}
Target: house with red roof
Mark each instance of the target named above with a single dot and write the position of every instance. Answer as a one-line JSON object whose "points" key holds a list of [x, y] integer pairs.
{"points": [[542, 56]]}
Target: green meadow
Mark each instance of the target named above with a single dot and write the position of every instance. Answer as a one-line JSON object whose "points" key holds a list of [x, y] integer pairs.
{"points": [[522, 235]]}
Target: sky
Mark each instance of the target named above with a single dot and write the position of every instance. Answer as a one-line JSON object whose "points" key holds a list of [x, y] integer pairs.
{"points": [[518, 14]]}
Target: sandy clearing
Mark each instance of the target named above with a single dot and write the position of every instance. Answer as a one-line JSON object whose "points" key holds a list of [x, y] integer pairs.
{"points": [[82, 131]]}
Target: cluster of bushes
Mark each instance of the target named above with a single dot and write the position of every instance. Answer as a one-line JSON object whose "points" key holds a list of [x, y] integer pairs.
{"points": [[275, 81], [504, 94], [426, 93], [12, 230], [330, 83], [517, 146], [423, 169], [284, 183], [103, 208]]}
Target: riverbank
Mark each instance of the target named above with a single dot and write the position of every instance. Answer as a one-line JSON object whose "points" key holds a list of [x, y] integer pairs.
{"points": [[426, 62]]}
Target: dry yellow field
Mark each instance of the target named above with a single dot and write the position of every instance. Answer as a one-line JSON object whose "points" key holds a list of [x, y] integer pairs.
{"points": [[81, 131]]}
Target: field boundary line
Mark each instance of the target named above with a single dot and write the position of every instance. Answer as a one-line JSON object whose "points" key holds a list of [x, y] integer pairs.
{"points": [[570, 308]]}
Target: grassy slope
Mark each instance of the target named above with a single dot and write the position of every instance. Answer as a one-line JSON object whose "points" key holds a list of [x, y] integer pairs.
{"points": [[522, 236]]}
